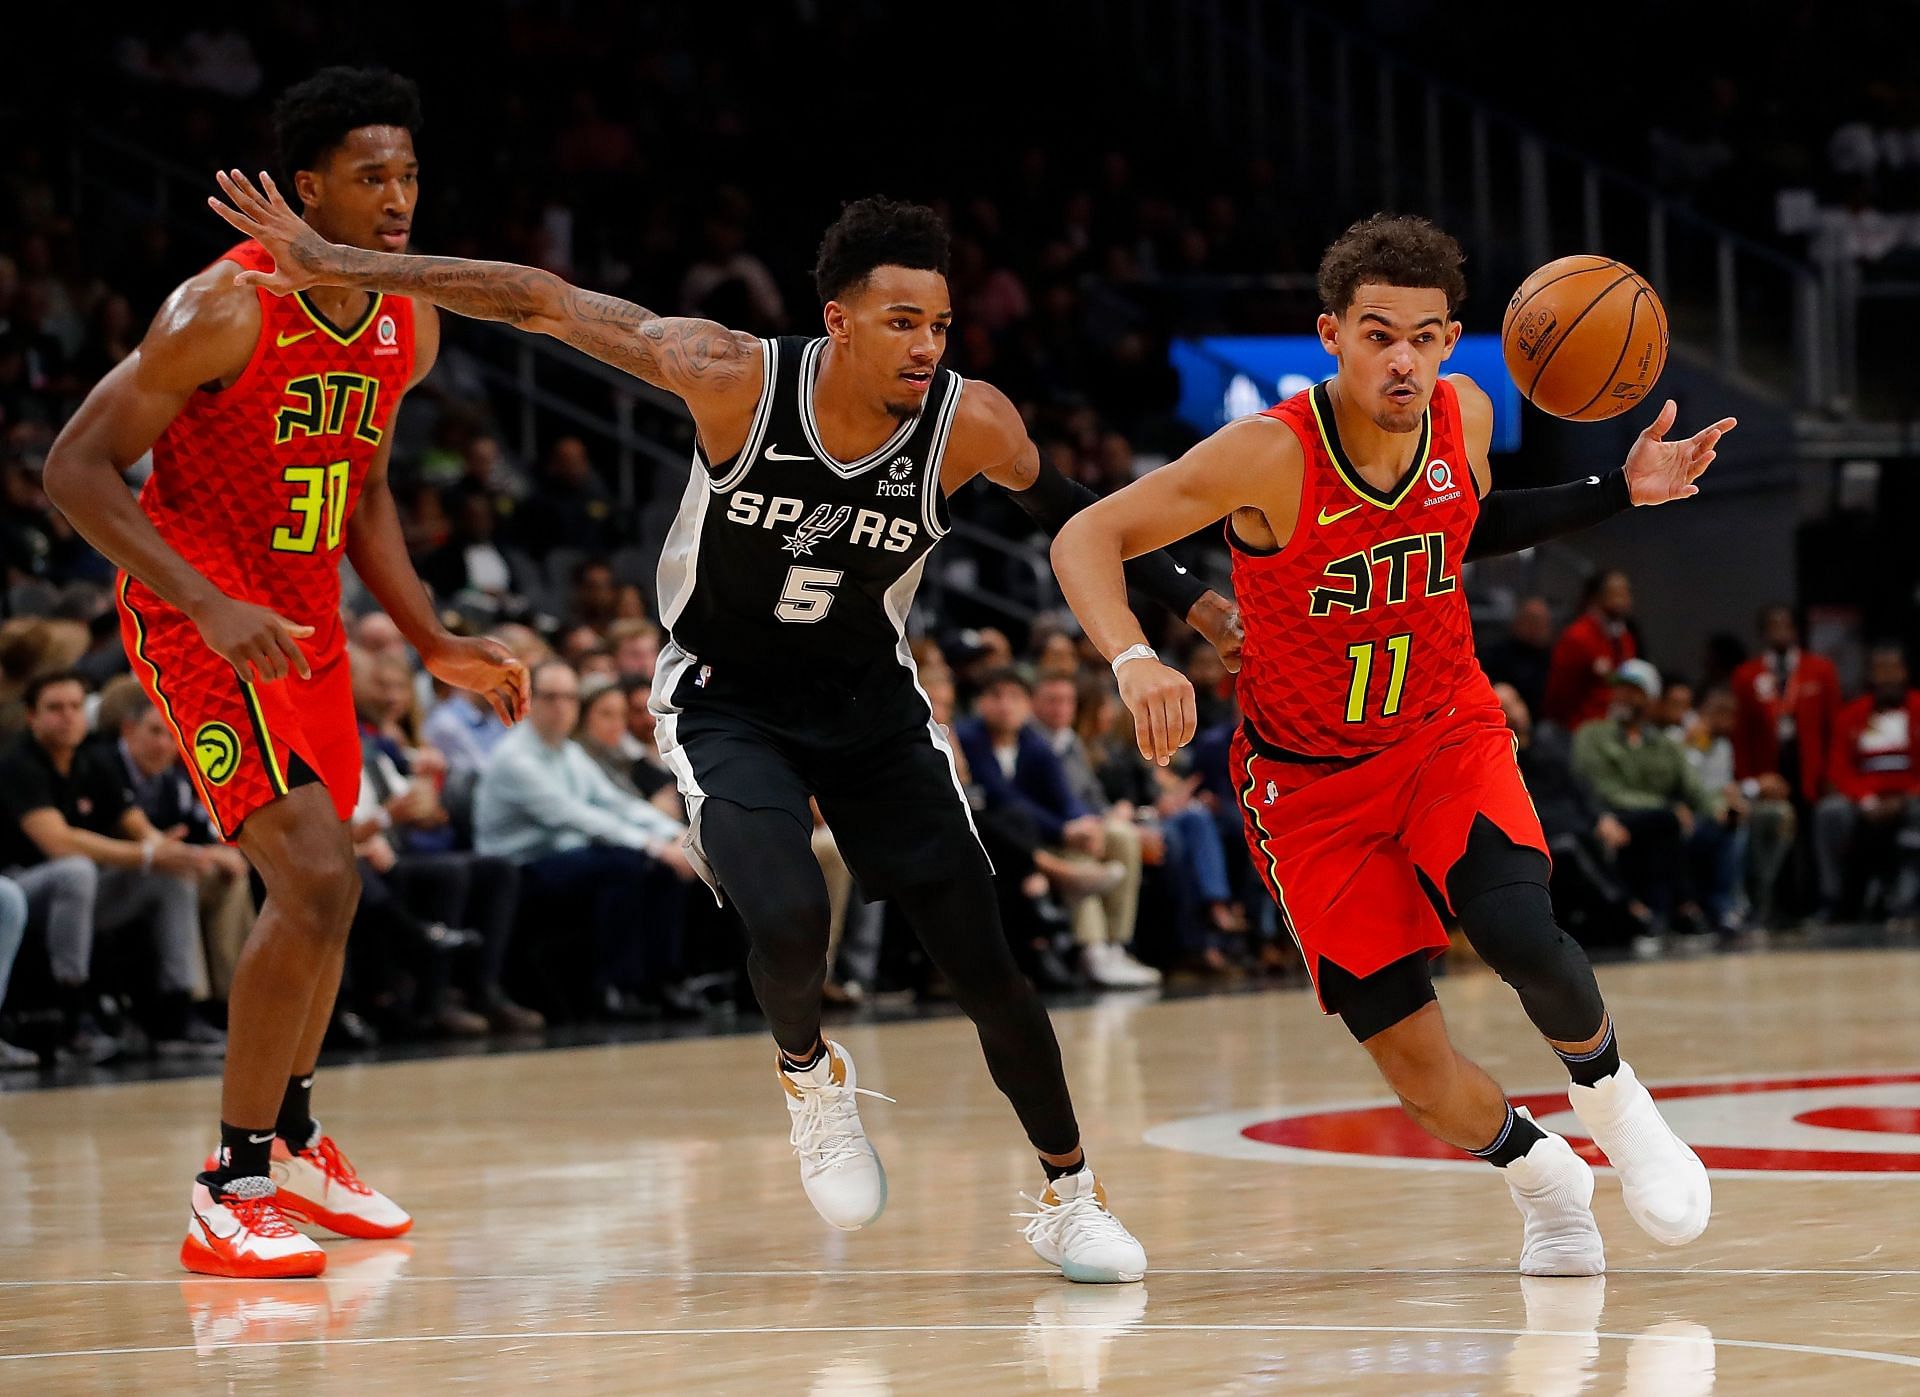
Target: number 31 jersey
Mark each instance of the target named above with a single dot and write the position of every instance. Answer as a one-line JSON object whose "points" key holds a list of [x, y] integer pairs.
{"points": [[253, 484], [786, 557], [1358, 630]]}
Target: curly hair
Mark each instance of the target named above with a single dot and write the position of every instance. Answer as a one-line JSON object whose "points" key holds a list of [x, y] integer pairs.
{"points": [[878, 232], [1391, 249], [313, 117]]}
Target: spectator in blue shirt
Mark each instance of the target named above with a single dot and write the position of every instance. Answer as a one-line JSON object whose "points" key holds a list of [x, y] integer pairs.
{"points": [[589, 853], [1016, 768]]}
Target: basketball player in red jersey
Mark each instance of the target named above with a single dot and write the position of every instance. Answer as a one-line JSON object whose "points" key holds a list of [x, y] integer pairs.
{"points": [[1377, 776], [270, 423]]}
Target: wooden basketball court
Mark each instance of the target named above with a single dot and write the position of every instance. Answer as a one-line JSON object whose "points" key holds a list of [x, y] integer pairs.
{"points": [[628, 1219]]}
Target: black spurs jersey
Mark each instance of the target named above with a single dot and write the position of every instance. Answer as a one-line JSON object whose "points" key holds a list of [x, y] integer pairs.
{"points": [[786, 557]]}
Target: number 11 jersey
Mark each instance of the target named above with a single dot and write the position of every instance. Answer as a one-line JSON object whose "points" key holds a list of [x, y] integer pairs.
{"points": [[1357, 630]]}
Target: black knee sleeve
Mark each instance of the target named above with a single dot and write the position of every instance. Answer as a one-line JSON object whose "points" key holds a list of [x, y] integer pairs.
{"points": [[1372, 1004], [764, 862], [1499, 892]]}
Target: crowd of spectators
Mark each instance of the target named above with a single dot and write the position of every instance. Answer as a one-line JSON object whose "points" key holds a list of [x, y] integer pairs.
{"points": [[1758, 794], [513, 878]]}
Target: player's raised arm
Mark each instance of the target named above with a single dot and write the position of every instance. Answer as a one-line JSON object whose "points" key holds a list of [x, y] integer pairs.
{"points": [[700, 361], [990, 439], [1656, 471], [1253, 464]]}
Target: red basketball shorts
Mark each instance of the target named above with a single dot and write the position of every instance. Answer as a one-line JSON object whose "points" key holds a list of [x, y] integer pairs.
{"points": [[1342, 845], [244, 744]]}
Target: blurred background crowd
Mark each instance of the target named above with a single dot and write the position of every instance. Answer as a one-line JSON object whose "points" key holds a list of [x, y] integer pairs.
{"points": [[519, 880]]}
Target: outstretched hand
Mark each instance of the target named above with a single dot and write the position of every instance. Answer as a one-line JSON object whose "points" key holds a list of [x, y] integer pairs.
{"points": [[299, 254], [1659, 470], [486, 667]]}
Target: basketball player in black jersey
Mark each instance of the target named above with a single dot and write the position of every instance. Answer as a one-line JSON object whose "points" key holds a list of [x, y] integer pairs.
{"points": [[821, 476]]}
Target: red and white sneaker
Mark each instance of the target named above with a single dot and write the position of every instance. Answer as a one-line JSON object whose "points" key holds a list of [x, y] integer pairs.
{"points": [[319, 1187], [241, 1231]]}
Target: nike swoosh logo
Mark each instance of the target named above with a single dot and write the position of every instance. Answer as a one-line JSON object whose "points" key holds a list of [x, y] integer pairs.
{"points": [[774, 453], [212, 1231], [1326, 518], [260, 1139], [283, 339]]}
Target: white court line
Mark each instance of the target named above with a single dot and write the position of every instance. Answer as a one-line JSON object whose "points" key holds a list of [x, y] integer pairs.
{"points": [[521, 1336], [597, 1277]]}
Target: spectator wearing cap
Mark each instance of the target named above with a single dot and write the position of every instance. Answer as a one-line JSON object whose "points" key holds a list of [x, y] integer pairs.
{"points": [[1869, 825], [1645, 781], [1594, 644]]}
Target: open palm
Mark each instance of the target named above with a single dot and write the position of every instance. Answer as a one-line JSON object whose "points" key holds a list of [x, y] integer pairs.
{"points": [[1659, 470], [299, 254]]}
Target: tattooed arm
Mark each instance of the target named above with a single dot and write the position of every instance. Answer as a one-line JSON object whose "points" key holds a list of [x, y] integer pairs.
{"points": [[717, 371]]}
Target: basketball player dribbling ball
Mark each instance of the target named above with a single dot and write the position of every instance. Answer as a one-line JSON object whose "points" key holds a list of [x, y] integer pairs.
{"points": [[270, 423], [819, 485], [1376, 773]]}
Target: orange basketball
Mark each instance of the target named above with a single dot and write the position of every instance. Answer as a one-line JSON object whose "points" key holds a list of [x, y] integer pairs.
{"points": [[1585, 338]]}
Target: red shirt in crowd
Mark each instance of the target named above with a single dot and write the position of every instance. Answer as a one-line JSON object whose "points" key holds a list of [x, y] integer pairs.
{"points": [[1874, 749], [1780, 696], [1580, 675]]}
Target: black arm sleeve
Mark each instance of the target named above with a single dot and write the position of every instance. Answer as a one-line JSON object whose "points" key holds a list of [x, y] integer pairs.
{"points": [[1511, 520], [1053, 499]]}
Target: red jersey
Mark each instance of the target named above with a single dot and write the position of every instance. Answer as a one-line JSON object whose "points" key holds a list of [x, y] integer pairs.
{"points": [[253, 484], [1357, 630]]}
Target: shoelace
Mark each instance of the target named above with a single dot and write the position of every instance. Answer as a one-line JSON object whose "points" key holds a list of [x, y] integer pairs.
{"points": [[1084, 1212], [820, 1130], [333, 1164], [261, 1216]]}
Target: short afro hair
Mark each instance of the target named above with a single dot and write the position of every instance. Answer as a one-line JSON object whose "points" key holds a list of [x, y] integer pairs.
{"points": [[1391, 249], [878, 232], [313, 117]]}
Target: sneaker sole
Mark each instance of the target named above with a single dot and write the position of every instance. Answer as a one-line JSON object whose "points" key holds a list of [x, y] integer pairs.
{"points": [[202, 1262], [344, 1224], [1098, 1275]]}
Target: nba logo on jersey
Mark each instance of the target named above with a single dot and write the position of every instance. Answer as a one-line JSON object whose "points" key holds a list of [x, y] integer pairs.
{"points": [[700, 679]]}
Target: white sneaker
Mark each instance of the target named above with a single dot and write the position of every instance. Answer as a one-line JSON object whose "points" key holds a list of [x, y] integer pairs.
{"points": [[1553, 1189], [241, 1231], [1110, 967], [838, 1166], [1074, 1231], [320, 1188], [1664, 1183]]}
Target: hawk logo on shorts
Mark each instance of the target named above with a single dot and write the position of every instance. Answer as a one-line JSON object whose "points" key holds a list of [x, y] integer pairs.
{"points": [[216, 751]]}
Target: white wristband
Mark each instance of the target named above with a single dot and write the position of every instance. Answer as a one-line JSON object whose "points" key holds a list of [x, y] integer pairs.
{"points": [[1133, 652], [147, 848]]}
